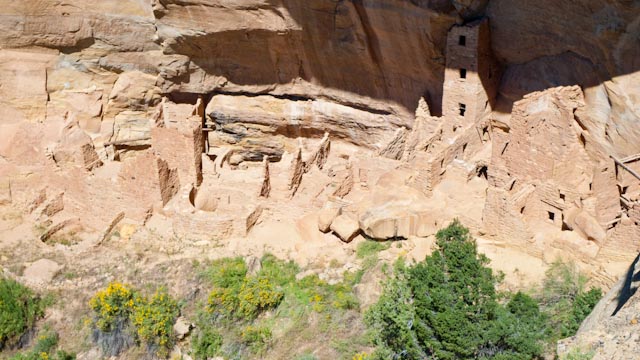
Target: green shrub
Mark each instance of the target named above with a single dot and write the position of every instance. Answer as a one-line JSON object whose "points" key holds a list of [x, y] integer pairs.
{"points": [[281, 273], [579, 354], [154, 319], [306, 356], [256, 295], [369, 248], [240, 296], [258, 338], [391, 319], [239, 300], [227, 273], [565, 300], [345, 300], [207, 344], [44, 349], [19, 309]]}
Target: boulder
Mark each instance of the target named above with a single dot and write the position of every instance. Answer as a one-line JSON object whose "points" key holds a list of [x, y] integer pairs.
{"points": [[41, 272], [589, 226], [254, 265], [395, 214], [75, 147], [182, 328], [345, 227], [326, 216], [133, 90]]}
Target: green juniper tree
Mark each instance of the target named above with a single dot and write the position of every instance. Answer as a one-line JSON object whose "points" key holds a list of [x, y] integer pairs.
{"points": [[446, 307]]}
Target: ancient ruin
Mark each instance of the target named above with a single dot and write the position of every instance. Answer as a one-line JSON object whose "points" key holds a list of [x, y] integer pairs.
{"points": [[173, 131]]}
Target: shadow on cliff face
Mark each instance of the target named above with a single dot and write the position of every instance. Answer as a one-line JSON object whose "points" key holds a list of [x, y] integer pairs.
{"points": [[627, 291], [394, 50], [546, 44], [385, 50]]}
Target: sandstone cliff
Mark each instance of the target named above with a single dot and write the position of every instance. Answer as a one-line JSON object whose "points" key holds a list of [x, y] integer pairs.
{"points": [[324, 120]]}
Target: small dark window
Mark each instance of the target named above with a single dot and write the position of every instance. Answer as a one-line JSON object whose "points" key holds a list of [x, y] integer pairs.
{"points": [[522, 210], [462, 40], [485, 133], [464, 148], [590, 186], [552, 216], [463, 109], [562, 196], [463, 73], [482, 172]]}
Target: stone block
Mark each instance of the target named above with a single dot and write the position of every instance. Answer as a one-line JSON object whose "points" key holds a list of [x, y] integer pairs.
{"points": [[345, 227], [326, 216]]}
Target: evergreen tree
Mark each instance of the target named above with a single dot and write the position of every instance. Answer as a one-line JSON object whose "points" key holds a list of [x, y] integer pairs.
{"points": [[446, 307]]}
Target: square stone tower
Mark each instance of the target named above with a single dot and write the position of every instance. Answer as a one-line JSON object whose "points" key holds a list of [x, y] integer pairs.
{"points": [[471, 76]]}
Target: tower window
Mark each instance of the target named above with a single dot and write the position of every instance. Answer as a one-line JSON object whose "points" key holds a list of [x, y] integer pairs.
{"points": [[552, 216], [562, 197], [463, 109], [462, 40], [463, 73]]}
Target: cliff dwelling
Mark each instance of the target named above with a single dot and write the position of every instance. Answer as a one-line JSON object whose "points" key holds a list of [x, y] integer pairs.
{"points": [[157, 137]]}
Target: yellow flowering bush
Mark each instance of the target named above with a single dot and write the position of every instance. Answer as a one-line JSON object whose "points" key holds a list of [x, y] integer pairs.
{"points": [[256, 295], [154, 319], [113, 304], [361, 356], [118, 307], [223, 300]]}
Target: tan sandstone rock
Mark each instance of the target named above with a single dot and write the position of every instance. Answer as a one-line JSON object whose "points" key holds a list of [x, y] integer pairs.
{"points": [[41, 272], [326, 215], [345, 227]]}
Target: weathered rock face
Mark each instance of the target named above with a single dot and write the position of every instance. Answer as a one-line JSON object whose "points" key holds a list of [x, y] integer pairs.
{"points": [[157, 99], [611, 330], [316, 48]]}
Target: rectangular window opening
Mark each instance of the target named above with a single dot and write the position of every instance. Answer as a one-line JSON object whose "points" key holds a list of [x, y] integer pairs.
{"points": [[562, 197], [552, 216], [463, 109], [463, 73], [462, 40]]}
